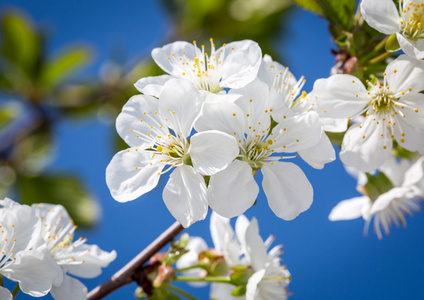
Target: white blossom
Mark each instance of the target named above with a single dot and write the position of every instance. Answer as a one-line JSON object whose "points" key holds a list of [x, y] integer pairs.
{"points": [[248, 119], [159, 134], [389, 207], [232, 66], [393, 108], [406, 22]]}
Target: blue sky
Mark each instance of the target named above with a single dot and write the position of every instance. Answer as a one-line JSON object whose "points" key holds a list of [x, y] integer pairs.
{"points": [[327, 260]]}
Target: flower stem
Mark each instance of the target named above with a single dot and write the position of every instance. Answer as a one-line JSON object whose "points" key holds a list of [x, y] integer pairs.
{"points": [[15, 290], [220, 279], [181, 292], [1, 280], [380, 57], [125, 275], [188, 268]]}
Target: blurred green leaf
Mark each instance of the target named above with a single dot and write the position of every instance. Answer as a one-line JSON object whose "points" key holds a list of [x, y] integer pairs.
{"points": [[21, 44], [62, 189], [7, 114], [59, 67], [310, 5], [162, 294], [376, 185], [392, 44], [239, 291]]}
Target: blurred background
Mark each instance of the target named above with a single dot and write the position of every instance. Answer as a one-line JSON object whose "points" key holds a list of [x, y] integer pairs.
{"points": [[67, 68]]}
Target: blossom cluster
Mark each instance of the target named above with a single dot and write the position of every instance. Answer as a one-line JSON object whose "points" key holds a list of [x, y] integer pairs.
{"points": [[246, 256], [214, 121], [38, 251]]}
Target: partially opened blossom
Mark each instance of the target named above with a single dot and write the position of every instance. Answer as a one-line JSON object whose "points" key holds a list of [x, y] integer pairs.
{"points": [[391, 206], [234, 65], [74, 256], [406, 22], [24, 256], [281, 81], [248, 119], [393, 108], [159, 133]]}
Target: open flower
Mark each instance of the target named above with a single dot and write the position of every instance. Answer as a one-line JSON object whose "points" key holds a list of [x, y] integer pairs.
{"points": [[24, 257], [282, 82], [402, 197], [232, 66], [393, 108], [159, 134], [248, 119], [74, 257], [406, 23]]}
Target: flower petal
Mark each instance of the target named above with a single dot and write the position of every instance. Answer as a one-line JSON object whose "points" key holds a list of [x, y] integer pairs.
{"points": [[384, 199], [240, 64], [35, 271], [130, 124], [363, 147], [223, 116], [414, 49], [212, 151], [405, 72], [129, 175], [335, 96], [232, 191], [152, 85], [320, 154], [381, 15], [181, 103], [6, 295], [185, 195], [333, 125], [223, 238], [415, 173], [255, 247], [350, 209], [94, 259], [252, 284], [408, 136], [70, 289], [166, 60], [287, 189]]}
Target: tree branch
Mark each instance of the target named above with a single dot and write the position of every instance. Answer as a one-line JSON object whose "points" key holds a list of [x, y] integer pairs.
{"points": [[124, 275]]}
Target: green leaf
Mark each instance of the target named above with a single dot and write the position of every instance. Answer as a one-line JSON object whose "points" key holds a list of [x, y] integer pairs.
{"points": [[392, 44], [377, 185], [21, 43], [7, 114], [58, 68], [61, 189], [239, 291], [162, 294], [310, 5]]}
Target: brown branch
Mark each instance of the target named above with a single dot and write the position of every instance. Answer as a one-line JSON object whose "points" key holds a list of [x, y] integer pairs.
{"points": [[125, 275]]}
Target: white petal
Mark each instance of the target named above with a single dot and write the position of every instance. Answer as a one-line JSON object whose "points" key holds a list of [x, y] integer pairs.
{"points": [[297, 133], [415, 173], [287, 189], [212, 151], [130, 124], [222, 291], [6, 295], [409, 73], [255, 247], [412, 107], [365, 154], [181, 103], [185, 196], [382, 15], [232, 191], [221, 231], [333, 125], [35, 271], [164, 58], [350, 209], [240, 64], [394, 170], [152, 85], [412, 138], [320, 154], [252, 284], [242, 224], [223, 116], [336, 96], [94, 260], [70, 289], [195, 246], [270, 68], [7, 202], [384, 199], [129, 175], [414, 49]]}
